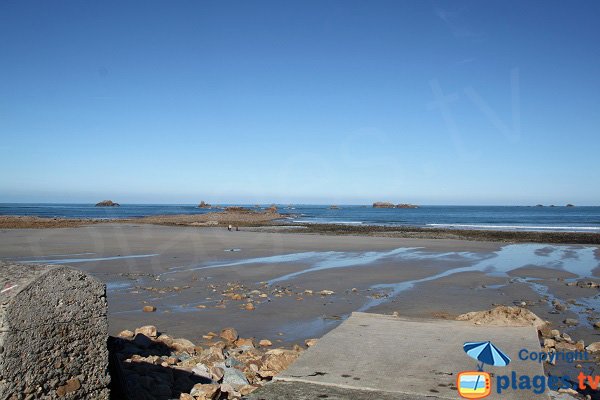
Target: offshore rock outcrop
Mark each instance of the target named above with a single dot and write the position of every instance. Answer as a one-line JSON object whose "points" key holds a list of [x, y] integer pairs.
{"points": [[107, 203], [204, 205], [385, 204]]}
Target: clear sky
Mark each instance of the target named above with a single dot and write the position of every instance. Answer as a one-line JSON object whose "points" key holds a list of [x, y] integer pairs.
{"points": [[477, 102]]}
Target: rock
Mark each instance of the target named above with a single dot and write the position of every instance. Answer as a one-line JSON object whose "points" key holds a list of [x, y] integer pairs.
{"points": [[564, 336], [148, 330], [186, 396], [202, 371], [597, 325], [212, 355], [71, 386], [181, 344], [276, 360], [247, 389], [232, 362], [571, 322], [558, 306], [165, 339], [588, 284], [569, 205], [383, 204], [249, 307], [549, 343], [126, 334], [265, 343], [272, 209], [107, 203], [569, 391], [142, 341], [310, 342], [217, 373], [234, 377], [172, 360], [204, 205], [149, 309], [406, 206], [231, 392], [564, 346], [229, 334], [593, 347], [326, 292], [244, 342], [204, 391]]}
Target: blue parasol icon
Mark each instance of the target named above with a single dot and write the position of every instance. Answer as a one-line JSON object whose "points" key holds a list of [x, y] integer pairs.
{"points": [[486, 353]]}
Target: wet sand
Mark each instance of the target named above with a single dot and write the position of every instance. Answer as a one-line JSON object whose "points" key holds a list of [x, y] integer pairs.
{"points": [[177, 269]]}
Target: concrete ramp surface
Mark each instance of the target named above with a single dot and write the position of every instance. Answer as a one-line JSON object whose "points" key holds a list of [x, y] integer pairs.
{"points": [[380, 356]]}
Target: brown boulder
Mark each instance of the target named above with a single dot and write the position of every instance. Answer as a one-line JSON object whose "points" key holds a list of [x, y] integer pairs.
{"points": [[276, 360], [244, 342], [181, 344], [147, 330], [126, 334], [229, 334], [204, 391], [593, 347]]}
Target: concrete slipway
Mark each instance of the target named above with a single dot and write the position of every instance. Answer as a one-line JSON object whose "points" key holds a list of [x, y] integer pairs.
{"points": [[372, 356]]}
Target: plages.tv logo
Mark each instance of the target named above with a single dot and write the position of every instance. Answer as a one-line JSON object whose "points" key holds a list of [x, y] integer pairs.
{"points": [[478, 384]]}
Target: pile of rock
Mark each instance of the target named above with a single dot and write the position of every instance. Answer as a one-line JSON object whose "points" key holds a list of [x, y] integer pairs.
{"points": [[504, 316], [225, 366], [554, 340], [585, 284]]}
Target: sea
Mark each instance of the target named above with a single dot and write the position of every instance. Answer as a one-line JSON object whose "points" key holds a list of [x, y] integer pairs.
{"points": [[511, 218]]}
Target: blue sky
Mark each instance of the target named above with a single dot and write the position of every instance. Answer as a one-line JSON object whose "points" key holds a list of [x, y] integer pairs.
{"points": [[494, 102]]}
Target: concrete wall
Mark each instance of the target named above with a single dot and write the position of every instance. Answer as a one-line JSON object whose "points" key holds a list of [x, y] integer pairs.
{"points": [[53, 332]]}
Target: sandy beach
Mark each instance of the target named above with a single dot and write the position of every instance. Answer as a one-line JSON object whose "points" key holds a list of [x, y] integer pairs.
{"points": [[202, 279]]}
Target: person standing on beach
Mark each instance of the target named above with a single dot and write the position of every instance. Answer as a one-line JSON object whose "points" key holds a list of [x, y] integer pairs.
{"points": [[229, 228]]}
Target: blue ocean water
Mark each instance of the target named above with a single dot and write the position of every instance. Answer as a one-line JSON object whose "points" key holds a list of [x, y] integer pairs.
{"points": [[584, 219]]}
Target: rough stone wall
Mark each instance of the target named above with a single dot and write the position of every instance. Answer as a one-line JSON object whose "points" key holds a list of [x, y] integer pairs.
{"points": [[53, 332]]}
